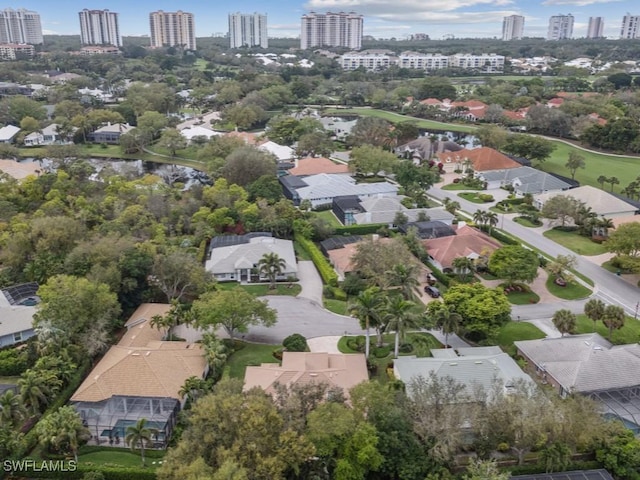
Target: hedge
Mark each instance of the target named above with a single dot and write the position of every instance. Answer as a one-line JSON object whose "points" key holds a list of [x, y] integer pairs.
{"points": [[110, 473], [328, 274], [360, 229], [441, 277], [503, 237], [13, 362]]}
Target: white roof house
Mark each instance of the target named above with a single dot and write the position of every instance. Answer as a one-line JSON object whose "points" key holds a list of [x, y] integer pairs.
{"points": [[17, 320], [601, 202], [7, 133], [281, 152], [198, 131], [383, 209], [524, 180], [236, 262], [478, 367]]}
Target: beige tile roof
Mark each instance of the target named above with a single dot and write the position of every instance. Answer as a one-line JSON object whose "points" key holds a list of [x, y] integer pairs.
{"points": [[336, 369], [141, 364], [313, 166], [601, 202]]}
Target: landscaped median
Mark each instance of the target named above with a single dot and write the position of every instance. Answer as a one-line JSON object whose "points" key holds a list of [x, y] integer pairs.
{"points": [[570, 291]]}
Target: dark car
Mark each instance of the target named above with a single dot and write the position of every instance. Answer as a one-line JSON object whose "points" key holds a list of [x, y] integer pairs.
{"points": [[433, 291]]}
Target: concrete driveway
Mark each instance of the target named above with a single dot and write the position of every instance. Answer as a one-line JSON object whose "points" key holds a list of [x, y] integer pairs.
{"points": [[310, 281]]}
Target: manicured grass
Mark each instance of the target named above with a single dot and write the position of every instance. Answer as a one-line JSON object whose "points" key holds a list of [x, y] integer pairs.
{"points": [[190, 152], [516, 331], [629, 333], [525, 297], [251, 354], [396, 117], [525, 222], [263, 289], [118, 457], [335, 306], [329, 217], [472, 197], [571, 291], [573, 241], [458, 186]]}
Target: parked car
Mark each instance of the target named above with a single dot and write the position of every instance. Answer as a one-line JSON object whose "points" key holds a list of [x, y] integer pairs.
{"points": [[432, 291]]}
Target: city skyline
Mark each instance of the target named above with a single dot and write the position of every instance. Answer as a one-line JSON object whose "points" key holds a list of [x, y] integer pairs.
{"points": [[399, 19]]}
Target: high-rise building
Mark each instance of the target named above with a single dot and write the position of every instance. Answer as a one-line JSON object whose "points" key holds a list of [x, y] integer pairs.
{"points": [[248, 30], [20, 26], [171, 29], [512, 27], [560, 27], [630, 26], [99, 27], [596, 27], [331, 30]]}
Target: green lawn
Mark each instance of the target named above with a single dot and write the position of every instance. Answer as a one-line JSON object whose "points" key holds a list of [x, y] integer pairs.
{"points": [[458, 186], [629, 333], [522, 298], [250, 354], [573, 241], [472, 197], [301, 253], [335, 306], [525, 222], [263, 289], [117, 457], [571, 291], [515, 331], [329, 217]]}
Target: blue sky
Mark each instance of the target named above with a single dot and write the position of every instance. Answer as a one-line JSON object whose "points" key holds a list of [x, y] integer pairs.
{"points": [[383, 18]]}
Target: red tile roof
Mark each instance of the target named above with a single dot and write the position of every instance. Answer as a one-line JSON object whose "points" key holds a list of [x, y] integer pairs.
{"points": [[483, 159], [313, 166], [467, 241]]}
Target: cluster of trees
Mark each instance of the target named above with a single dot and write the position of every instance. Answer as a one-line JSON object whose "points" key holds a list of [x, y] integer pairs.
{"points": [[565, 210], [612, 316]]}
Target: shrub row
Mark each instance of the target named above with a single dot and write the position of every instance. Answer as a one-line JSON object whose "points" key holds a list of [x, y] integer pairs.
{"points": [[110, 473], [334, 293], [328, 274], [360, 229], [13, 362], [503, 237]]}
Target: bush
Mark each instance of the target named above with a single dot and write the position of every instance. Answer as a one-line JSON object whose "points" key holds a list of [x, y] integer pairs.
{"points": [[13, 362], [406, 348], [381, 352], [328, 274], [295, 343], [485, 197], [353, 284], [357, 344]]}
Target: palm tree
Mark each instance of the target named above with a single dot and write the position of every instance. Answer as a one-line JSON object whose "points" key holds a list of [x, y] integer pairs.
{"points": [[565, 321], [602, 180], [447, 321], [139, 434], [405, 279], [613, 181], [12, 411], [50, 339], [193, 387], [271, 265], [34, 390], [594, 309], [491, 218], [399, 316], [479, 217], [161, 322], [463, 267], [452, 207], [215, 351], [613, 318], [367, 308]]}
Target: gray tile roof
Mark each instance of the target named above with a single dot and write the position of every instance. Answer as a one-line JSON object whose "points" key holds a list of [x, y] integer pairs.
{"points": [[228, 259], [329, 186], [526, 179], [585, 363]]}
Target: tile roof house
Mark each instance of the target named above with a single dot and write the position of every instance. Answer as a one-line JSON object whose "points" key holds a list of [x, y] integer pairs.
{"points": [[110, 133], [17, 307], [248, 138], [8, 133], [473, 367], [601, 202], [430, 229], [467, 242], [341, 257], [590, 365], [317, 165], [238, 262], [140, 377], [337, 370], [482, 159], [321, 189], [524, 180]]}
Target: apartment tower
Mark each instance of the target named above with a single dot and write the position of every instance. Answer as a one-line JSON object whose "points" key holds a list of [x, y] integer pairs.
{"points": [[560, 27], [248, 30], [99, 27], [20, 26], [172, 29], [630, 26], [512, 27], [331, 30], [596, 27]]}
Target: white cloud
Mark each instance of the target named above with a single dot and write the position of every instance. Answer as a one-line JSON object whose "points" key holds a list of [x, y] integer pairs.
{"points": [[578, 3], [285, 26], [373, 8]]}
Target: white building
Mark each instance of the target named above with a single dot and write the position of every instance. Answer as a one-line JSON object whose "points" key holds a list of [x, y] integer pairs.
{"points": [[171, 29], [630, 26], [560, 27], [11, 51], [489, 62], [369, 59], [596, 27], [331, 30], [423, 61], [99, 27], [248, 30], [512, 27], [382, 59], [20, 26]]}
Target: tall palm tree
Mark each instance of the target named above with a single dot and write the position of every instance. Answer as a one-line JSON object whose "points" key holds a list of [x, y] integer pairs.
{"points": [[367, 308], [602, 180], [193, 387], [452, 207], [12, 411], [565, 321], [491, 219], [479, 217], [405, 279], [594, 309], [139, 434], [399, 316], [463, 267], [447, 321], [613, 318], [34, 390], [215, 351], [161, 322], [271, 265]]}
